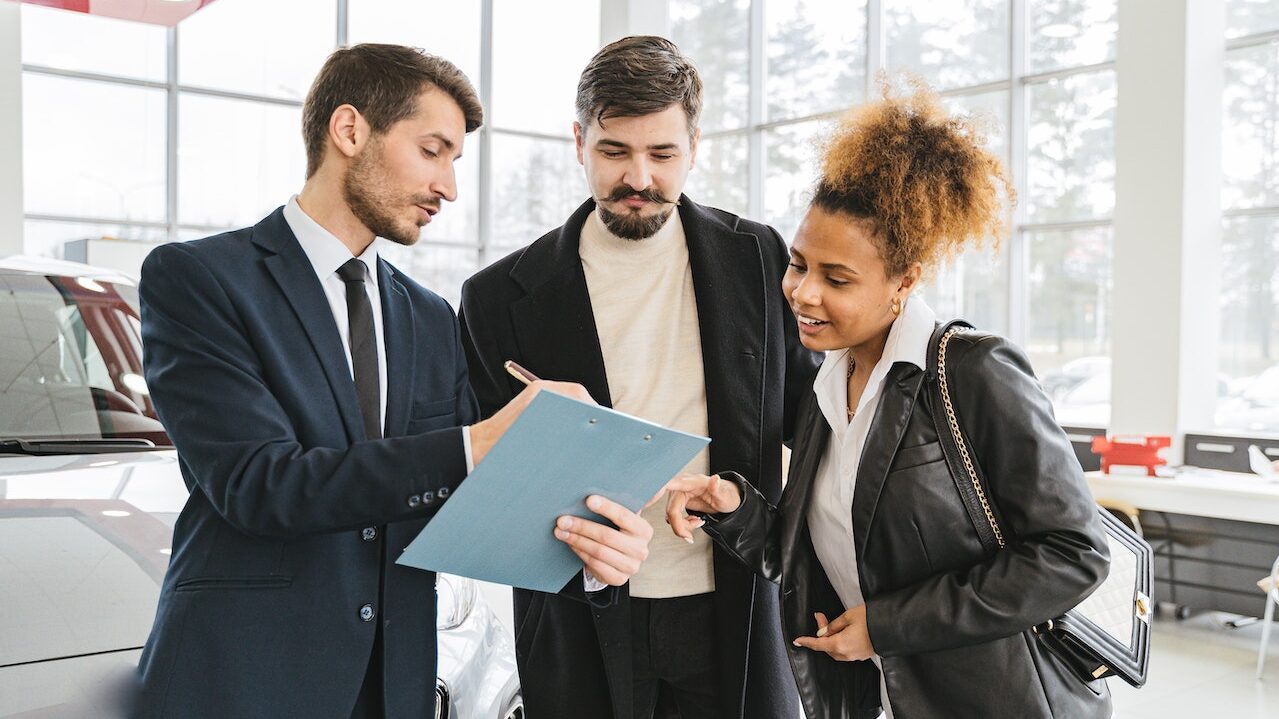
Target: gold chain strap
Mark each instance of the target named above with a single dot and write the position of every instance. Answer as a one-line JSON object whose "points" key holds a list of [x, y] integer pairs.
{"points": [[959, 437]]}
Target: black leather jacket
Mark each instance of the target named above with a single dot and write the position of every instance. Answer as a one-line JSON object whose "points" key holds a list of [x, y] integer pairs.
{"points": [[950, 621]]}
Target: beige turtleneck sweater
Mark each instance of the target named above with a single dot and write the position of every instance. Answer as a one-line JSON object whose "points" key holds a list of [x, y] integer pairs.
{"points": [[642, 296]]}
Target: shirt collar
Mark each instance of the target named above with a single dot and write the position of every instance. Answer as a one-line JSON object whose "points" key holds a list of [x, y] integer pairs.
{"points": [[908, 339], [907, 342], [325, 251]]}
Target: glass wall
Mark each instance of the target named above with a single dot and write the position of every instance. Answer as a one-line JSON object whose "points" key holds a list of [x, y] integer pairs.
{"points": [[193, 133], [1248, 361], [1048, 106]]}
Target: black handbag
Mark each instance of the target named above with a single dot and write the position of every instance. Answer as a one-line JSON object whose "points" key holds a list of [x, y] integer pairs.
{"points": [[1108, 633]]}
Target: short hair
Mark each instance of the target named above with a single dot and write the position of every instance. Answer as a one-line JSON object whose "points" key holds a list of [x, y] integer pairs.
{"points": [[923, 179], [383, 82], [638, 75]]}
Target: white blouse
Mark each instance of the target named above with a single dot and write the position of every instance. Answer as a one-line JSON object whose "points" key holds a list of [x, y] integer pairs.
{"points": [[830, 515]]}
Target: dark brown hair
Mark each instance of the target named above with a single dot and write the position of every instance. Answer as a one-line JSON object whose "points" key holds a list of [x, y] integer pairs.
{"points": [[383, 82], [922, 178], [635, 76]]}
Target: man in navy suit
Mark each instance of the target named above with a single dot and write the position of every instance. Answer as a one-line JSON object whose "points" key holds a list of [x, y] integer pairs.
{"points": [[319, 403]]}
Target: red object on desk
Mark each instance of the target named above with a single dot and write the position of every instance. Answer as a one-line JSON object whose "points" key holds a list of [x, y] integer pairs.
{"points": [[1137, 451]]}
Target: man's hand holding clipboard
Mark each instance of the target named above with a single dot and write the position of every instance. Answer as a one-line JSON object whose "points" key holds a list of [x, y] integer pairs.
{"points": [[610, 555]]}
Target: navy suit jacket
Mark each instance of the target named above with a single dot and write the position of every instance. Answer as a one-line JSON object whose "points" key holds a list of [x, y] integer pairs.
{"points": [[263, 610]]}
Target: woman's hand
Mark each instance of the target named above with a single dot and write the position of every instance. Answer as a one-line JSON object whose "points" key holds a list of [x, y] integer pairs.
{"points": [[699, 493], [846, 639]]}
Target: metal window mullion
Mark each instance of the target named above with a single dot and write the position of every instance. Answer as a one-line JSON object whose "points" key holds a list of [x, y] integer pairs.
{"points": [[1066, 226], [171, 136], [982, 89], [1260, 211], [79, 220], [1000, 86], [1017, 253], [720, 134], [755, 112], [1256, 40], [232, 95], [530, 134], [95, 77], [874, 43], [484, 188], [537, 136], [210, 229], [1063, 73], [343, 23], [817, 116]]}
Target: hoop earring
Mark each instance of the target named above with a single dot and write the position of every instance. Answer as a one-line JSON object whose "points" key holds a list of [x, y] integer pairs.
{"points": [[896, 306]]}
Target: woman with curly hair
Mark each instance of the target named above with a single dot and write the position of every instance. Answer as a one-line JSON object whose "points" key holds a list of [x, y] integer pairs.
{"points": [[872, 531]]}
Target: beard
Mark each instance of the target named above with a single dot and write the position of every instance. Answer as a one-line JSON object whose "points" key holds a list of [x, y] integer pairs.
{"points": [[367, 191], [631, 224]]}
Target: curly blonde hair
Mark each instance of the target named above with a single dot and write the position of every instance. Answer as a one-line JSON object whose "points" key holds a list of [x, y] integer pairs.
{"points": [[922, 178]]}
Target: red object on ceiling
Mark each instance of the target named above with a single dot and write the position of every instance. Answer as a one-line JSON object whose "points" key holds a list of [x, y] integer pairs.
{"points": [[156, 12]]}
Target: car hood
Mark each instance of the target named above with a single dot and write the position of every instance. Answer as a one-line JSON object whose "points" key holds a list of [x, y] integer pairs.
{"points": [[84, 543]]}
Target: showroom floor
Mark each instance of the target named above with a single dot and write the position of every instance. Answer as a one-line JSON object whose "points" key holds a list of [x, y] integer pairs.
{"points": [[1200, 668]]}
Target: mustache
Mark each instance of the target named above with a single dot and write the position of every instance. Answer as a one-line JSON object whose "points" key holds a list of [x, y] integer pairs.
{"points": [[428, 202], [651, 194]]}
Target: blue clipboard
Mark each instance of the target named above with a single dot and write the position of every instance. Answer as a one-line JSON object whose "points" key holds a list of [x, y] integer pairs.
{"points": [[498, 525]]}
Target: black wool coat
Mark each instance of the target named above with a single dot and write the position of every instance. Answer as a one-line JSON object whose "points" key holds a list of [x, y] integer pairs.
{"points": [[533, 307]]}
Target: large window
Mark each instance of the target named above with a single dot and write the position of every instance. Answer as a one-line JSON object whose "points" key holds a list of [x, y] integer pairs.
{"points": [[152, 134], [1047, 105], [449, 250], [197, 129], [85, 162], [716, 35], [270, 48], [206, 132], [1248, 379], [536, 180]]}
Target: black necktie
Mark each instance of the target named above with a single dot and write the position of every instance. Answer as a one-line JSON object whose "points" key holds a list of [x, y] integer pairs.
{"points": [[359, 317]]}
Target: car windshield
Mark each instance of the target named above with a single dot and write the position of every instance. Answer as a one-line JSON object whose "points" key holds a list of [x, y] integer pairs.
{"points": [[71, 361]]}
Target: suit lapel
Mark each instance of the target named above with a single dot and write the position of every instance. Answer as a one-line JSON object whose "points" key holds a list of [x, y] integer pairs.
{"points": [[401, 350], [897, 401], [296, 278], [729, 286], [555, 324]]}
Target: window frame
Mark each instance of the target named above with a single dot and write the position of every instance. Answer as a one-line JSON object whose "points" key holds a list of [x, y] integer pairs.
{"points": [[173, 229], [1016, 86]]}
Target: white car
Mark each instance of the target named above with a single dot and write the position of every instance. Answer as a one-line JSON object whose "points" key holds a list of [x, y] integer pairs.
{"points": [[89, 492]]}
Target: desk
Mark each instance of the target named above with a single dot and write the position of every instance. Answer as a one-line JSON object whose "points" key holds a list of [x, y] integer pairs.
{"points": [[1214, 534]]}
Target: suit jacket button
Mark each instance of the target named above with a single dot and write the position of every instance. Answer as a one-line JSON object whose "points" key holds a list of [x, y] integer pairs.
{"points": [[368, 534], [415, 500], [428, 497], [443, 493], [366, 613]]}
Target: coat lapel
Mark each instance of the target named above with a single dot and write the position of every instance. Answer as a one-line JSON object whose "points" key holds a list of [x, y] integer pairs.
{"points": [[296, 278], [401, 350], [555, 324], [806, 459], [901, 387], [729, 286]]}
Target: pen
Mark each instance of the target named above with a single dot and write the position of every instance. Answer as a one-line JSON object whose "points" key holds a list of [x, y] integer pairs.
{"points": [[519, 372]]}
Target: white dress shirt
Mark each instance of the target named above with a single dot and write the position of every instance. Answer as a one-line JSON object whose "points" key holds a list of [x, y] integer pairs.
{"points": [[830, 516], [327, 253]]}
